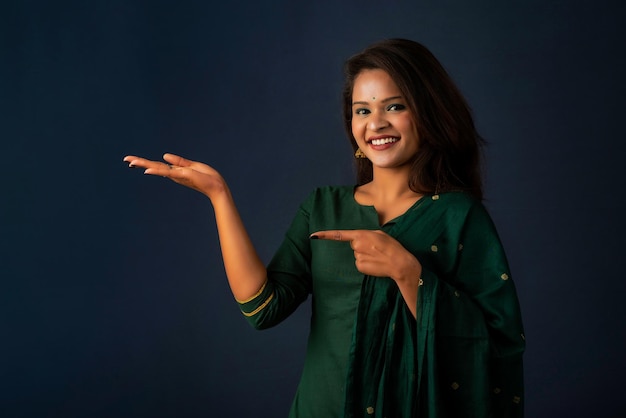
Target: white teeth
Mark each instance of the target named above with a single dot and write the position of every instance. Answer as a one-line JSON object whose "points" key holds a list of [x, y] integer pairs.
{"points": [[383, 141]]}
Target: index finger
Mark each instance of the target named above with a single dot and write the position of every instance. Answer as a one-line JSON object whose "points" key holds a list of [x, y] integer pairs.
{"points": [[336, 235]]}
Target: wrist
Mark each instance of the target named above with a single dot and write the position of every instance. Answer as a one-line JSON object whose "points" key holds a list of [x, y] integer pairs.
{"points": [[217, 190], [409, 272]]}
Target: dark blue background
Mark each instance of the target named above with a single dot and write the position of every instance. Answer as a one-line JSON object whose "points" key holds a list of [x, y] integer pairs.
{"points": [[113, 299]]}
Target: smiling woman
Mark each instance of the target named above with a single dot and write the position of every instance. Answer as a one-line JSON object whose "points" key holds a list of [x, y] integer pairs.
{"points": [[449, 157], [414, 309], [384, 128]]}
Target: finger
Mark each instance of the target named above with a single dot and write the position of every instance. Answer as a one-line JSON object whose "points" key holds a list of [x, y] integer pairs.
{"points": [[142, 162], [163, 170], [336, 235], [177, 160], [133, 161]]}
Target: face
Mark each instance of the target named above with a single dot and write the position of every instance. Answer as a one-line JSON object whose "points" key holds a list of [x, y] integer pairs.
{"points": [[382, 124]]}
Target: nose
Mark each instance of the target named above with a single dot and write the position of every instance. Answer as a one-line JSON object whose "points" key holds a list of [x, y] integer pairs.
{"points": [[378, 121]]}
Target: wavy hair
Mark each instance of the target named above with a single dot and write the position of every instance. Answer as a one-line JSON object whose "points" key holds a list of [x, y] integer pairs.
{"points": [[449, 154]]}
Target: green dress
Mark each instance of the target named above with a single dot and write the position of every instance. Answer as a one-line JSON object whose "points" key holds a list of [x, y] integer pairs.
{"points": [[366, 354]]}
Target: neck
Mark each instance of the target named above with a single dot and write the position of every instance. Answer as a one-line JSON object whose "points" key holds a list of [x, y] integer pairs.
{"points": [[388, 192], [390, 184]]}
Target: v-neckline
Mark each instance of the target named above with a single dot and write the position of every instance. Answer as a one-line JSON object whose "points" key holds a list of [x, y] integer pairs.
{"points": [[373, 208]]}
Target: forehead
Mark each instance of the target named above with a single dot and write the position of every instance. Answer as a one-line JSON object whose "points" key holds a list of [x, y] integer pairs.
{"points": [[375, 83]]}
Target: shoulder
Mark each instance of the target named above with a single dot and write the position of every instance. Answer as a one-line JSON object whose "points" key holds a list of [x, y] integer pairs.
{"points": [[340, 190], [467, 212], [461, 208], [456, 201], [329, 194]]}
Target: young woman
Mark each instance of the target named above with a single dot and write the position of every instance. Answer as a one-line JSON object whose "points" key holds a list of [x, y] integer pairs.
{"points": [[414, 313]]}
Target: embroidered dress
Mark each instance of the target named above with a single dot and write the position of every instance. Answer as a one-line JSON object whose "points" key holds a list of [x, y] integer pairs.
{"points": [[366, 354]]}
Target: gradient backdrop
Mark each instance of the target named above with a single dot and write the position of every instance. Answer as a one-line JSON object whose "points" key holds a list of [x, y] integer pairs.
{"points": [[113, 299]]}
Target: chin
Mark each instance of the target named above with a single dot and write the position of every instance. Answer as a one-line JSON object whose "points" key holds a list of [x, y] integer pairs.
{"points": [[389, 162]]}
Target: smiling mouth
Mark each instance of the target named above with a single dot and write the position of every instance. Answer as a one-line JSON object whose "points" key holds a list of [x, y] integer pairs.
{"points": [[383, 141]]}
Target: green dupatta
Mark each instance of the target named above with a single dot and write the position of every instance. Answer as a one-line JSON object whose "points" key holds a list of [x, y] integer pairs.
{"points": [[462, 357]]}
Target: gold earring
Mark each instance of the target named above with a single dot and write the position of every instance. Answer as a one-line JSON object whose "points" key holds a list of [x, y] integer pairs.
{"points": [[359, 153]]}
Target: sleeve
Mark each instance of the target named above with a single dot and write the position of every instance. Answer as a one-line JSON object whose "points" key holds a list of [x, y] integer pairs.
{"points": [[288, 276], [482, 294], [483, 274]]}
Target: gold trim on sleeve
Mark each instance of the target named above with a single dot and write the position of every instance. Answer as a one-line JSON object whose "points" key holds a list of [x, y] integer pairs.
{"points": [[260, 308], [256, 295]]}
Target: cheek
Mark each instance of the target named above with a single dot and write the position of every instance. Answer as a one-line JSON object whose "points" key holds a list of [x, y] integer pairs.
{"points": [[409, 126]]}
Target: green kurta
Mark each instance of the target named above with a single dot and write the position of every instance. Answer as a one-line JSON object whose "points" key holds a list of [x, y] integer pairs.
{"points": [[366, 355]]}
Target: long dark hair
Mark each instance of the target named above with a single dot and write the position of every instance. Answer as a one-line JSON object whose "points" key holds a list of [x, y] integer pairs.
{"points": [[449, 155]]}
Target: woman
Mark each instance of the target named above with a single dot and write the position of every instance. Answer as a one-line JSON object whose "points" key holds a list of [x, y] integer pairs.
{"points": [[413, 309]]}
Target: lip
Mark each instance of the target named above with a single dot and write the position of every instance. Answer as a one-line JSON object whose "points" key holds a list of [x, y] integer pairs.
{"points": [[384, 146], [371, 138]]}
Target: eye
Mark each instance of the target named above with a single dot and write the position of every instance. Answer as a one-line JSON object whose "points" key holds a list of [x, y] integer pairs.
{"points": [[361, 111], [396, 107]]}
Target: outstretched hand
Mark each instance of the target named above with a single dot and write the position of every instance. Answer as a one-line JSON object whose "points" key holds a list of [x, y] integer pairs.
{"points": [[377, 254], [193, 174]]}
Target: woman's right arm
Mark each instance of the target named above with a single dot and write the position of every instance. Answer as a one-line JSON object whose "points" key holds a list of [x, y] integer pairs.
{"points": [[245, 271]]}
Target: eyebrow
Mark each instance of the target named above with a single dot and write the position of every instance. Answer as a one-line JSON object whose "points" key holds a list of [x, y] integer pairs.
{"points": [[382, 101]]}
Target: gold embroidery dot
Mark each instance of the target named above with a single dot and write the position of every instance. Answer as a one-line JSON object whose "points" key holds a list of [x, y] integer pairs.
{"points": [[435, 197], [496, 391], [454, 385], [504, 276], [516, 399], [456, 293], [523, 337], [434, 248], [460, 247], [370, 410]]}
